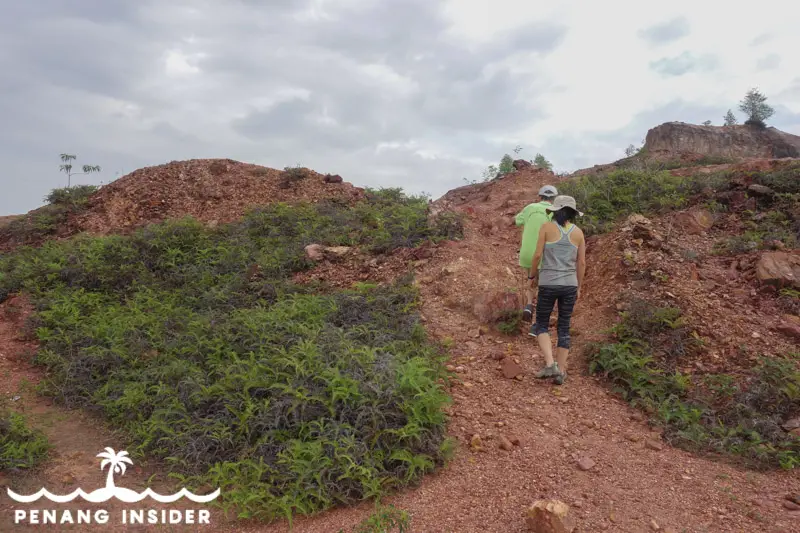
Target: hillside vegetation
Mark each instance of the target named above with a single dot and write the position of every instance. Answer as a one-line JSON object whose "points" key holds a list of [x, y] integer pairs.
{"points": [[739, 414], [195, 342]]}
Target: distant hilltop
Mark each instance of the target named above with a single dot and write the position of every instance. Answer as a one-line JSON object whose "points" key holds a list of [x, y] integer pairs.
{"points": [[675, 139]]}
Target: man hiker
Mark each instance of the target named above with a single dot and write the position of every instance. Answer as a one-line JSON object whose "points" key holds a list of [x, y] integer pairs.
{"points": [[531, 219]]}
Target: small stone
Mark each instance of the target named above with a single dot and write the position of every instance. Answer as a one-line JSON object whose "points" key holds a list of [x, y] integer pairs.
{"points": [[654, 445], [499, 424], [633, 438], [790, 506], [638, 417], [654, 525], [505, 444], [510, 369], [68, 479], [450, 368], [460, 369], [515, 441], [586, 464], [475, 442]]}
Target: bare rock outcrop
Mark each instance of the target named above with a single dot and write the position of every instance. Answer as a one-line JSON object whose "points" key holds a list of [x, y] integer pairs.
{"points": [[678, 138]]}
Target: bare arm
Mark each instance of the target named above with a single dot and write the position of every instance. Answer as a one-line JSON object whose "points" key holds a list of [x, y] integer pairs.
{"points": [[581, 262], [537, 255]]}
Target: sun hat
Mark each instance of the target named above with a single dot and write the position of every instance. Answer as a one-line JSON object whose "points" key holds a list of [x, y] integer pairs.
{"points": [[548, 191], [564, 201]]}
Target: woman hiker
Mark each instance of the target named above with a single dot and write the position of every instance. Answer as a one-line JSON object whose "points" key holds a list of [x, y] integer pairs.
{"points": [[561, 248]]}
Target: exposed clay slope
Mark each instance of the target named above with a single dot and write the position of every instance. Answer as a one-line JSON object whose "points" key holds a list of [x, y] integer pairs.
{"points": [[677, 138]]}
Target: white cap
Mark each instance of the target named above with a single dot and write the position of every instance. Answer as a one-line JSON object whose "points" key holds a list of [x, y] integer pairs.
{"points": [[548, 191]]}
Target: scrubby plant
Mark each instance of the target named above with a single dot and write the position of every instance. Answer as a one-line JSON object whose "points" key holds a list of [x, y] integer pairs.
{"points": [[385, 519], [20, 446], [195, 342], [45, 221], [606, 198], [737, 416], [730, 118]]}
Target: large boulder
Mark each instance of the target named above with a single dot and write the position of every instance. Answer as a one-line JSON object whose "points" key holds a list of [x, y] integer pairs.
{"points": [[491, 306], [780, 269], [549, 516], [519, 164]]}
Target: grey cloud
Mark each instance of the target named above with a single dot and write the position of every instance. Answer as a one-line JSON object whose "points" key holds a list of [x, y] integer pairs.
{"points": [[683, 64], [666, 32], [761, 39], [769, 62], [88, 77]]}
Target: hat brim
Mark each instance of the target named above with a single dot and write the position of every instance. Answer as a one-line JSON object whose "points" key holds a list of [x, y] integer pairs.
{"points": [[552, 208]]}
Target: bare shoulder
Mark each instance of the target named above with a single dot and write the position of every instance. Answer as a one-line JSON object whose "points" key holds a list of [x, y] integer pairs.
{"points": [[577, 237]]}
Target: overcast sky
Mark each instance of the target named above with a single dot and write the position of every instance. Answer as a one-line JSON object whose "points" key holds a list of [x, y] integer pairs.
{"points": [[412, 93]]}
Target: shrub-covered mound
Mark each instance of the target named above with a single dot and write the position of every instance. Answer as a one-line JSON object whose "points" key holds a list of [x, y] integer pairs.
{"points": [[605, 198], [740, 416], [20, 446], [194, 341]]}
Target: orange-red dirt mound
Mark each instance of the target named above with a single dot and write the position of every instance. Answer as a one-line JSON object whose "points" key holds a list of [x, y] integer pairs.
{"points": [[211, 190]]}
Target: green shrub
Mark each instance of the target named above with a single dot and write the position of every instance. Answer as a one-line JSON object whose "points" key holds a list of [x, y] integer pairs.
{"points": [[385, 519], [73, 197], [20, 446], [606, 198], [735, 416], [45, 221], [196, 343]]}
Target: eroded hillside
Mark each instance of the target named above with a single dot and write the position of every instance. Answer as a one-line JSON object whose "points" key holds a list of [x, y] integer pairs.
{"points": [[694, 266]]}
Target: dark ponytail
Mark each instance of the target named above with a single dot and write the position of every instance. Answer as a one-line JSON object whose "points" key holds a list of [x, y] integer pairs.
{"points": [[564, 215]]}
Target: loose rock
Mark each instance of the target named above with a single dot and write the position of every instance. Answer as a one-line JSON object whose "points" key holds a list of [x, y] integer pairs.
{"points": [[586, 464], [505, 444], [510, 369], [549, 516], [654, 445]]}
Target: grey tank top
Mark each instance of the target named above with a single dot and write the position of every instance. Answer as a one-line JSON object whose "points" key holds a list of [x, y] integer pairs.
{"points": [[559, 262]]}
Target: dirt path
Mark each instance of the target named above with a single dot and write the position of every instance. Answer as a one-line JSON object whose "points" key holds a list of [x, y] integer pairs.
{"points": [[630, 485]]}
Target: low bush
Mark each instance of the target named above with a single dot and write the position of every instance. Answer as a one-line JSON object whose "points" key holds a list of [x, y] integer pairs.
{"points": [[20, 446], [606, 198], [739, 416], [195, 342], [385, 519], [45, 221]]}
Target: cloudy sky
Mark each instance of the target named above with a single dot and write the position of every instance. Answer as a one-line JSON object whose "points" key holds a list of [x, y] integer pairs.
{"points": [[414, 93]]}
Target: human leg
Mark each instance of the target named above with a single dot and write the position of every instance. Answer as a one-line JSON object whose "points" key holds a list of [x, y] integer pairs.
{"points": [[566, 304], [527, 313], [544, 308]]}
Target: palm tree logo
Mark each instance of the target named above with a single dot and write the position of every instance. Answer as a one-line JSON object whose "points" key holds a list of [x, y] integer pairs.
{"points": [[116, 465]]}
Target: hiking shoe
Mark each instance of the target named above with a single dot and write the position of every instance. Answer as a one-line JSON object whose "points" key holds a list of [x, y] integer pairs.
{"points": [[560, 378], [527, 314], [532, 331], [548, 372]]}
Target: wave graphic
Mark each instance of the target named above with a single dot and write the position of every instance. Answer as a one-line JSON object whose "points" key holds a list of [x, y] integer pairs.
{"points": [[107, 493]]}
